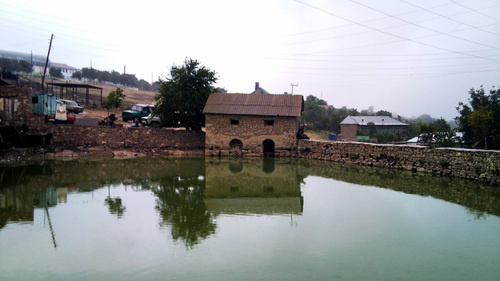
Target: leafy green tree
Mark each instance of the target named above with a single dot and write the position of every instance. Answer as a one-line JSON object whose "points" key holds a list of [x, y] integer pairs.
{"points": [[89, 73], [383, 113], [314, 115], [104, 76], [77, 75], [480, 119], [318, 117], [437, 133], [114, 99], [387, 137], [440, 125], [182, 97], [445, 138], [129, 80], [145, 86], [10, 65], [56, 72], [115, 77], [372, 129], [220, 90]]}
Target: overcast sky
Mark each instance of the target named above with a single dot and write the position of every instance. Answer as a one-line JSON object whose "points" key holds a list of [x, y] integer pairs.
{"points": [[405, 56]]}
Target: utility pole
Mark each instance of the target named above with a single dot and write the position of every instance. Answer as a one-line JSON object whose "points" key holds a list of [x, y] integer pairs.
{"points": [[46, 64], [294, 85]]}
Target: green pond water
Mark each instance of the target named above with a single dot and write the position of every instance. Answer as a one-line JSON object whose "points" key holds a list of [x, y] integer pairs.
{"points": [[246, 219]]}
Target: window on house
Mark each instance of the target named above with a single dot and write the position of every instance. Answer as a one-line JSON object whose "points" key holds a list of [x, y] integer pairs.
{"points": [[268, 122], [235, 122], [268, 189]]}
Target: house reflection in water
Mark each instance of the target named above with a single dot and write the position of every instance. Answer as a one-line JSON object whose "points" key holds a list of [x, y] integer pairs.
{"points": [[241, 187]]}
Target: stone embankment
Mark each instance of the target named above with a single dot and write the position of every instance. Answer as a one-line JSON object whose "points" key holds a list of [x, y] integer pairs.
{"points": [[470, 164], [139, 139]]}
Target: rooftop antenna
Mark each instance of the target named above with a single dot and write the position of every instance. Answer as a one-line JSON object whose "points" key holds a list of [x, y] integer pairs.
{"points": [[294, 85], [46, 63]]}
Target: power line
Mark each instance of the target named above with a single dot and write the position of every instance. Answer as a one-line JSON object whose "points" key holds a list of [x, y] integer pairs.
{"points": [[475, 11], [391, 34], [372, 20], [391, 27], [423, 27], [448, 18]]}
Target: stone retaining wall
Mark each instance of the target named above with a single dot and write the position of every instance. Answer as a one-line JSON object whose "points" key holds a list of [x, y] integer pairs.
{"points": [[471, 164], [139, 139]]}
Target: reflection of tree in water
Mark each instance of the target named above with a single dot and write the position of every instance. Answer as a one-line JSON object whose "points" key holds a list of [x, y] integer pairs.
{"points": [[115, 206], [180, 205], [476, 213]]}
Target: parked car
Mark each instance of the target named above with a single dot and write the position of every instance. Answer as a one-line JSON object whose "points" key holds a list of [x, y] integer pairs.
{"points": [[71, 106], [137, 112], [151, 121]]}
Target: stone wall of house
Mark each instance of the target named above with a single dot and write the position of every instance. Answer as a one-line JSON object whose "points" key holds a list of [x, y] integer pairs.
{"points": [[137, 139], [348, 132], [251, 131], [15, 105], [471, 164]]}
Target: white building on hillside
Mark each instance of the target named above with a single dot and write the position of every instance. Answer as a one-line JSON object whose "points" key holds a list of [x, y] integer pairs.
{"points": [[67, 71]]}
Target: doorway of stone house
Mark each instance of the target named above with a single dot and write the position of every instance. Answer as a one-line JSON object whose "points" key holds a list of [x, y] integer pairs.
{"points": [[268, 148], [236, 146]]}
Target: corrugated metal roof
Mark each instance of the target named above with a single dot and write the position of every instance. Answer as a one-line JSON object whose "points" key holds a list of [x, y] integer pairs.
{"points": [[377, 120], [62, 66], [254, 104]]}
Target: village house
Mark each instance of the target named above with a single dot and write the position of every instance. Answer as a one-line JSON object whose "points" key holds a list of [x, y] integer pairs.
{"points": [[351, 125], [15, 105], [262, 124], [66, 70]]}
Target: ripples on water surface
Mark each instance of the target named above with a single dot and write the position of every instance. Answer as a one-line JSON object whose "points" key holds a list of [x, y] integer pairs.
{"points": [[208, 219]]}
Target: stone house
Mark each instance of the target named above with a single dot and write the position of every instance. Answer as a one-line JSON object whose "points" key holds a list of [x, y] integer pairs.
{"points": [[350, 126], [15, 105], [259, 124]]}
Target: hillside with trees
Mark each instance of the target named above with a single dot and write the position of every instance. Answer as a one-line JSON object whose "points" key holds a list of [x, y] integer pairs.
{"points": [[114, 77], [10, 65]]}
